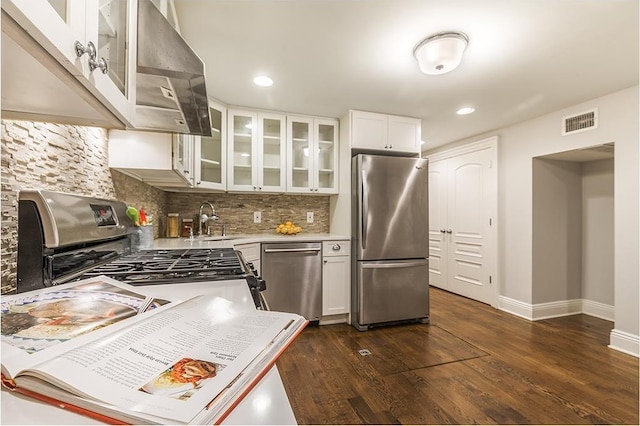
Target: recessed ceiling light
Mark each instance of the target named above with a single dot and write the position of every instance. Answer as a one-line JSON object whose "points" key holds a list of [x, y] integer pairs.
{"points": [[263, 81], [465, 110]]}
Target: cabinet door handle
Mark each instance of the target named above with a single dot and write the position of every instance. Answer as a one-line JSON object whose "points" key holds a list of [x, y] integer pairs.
{"points": [[101, 63], [90, 49]]}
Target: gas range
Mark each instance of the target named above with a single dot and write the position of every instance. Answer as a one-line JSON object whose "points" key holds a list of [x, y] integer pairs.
{"points": [[66, 237], [174, 266]]}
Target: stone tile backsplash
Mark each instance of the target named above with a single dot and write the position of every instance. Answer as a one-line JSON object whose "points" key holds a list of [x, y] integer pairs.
{"points": [[236, 211], [37, 155]]}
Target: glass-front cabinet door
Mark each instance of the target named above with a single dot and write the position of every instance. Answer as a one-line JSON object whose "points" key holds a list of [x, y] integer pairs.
{"points": [[312, 155], [241, 163], [326, 176], [271, 153], [210, 152], [299, 159], [183, 147], [94, 40]]}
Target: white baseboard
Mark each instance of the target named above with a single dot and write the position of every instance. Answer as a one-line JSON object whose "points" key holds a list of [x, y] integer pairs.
{"points": [[560, 308], [599, 310], [556, 309], [515, 307], [625, 342], [619, 340]]}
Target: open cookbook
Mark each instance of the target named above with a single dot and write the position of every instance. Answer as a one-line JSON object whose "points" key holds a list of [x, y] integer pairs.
{"points": [[100, 348]]}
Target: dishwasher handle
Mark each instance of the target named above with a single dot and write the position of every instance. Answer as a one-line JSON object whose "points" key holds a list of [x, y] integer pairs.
{"points": [[291, 250]]}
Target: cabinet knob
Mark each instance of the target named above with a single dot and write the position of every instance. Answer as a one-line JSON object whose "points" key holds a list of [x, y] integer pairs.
{"points": [[336, 247], [449, 231], [89, 49], [443, 230], [101, 63], [199, 183], [326, 261], [186, 172]]}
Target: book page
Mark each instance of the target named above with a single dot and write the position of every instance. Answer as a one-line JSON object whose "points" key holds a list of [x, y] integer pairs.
{"points": [[174, 363], [40, 324]]}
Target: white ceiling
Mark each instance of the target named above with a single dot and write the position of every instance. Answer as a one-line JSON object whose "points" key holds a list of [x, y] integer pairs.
{"points": [[525, 58]]}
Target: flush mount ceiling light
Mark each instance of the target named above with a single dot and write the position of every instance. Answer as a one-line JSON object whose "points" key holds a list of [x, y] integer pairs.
{"points": [[263, 81], [440, 53]]}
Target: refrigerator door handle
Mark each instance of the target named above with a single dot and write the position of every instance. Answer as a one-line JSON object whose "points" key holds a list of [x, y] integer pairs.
{"points": [[393, 265], [365, 209]]}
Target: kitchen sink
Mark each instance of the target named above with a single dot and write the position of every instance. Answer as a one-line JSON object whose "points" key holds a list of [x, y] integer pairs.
{"points": [[219, 238], [213, 238]]}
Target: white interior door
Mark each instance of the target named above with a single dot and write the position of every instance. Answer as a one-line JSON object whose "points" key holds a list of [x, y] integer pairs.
{"points": [[462, 221], [469, 222], [438, 187]]}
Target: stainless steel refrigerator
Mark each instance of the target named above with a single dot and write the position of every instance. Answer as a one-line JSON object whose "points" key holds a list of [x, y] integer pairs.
{"points": [[390, 234]]}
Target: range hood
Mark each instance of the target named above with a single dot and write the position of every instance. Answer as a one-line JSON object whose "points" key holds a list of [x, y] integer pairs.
{"points": [[170, 87]]}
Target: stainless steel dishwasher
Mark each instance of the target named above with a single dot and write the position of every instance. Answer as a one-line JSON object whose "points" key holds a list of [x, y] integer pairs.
{"points": [[293, 274]]}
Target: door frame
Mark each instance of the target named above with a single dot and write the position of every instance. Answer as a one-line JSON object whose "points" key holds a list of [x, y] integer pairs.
{"points": [[490, 143]]}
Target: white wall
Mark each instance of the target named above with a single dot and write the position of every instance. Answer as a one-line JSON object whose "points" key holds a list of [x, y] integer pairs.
{"points": [[557, 231], [598, 248], [518, 145]]}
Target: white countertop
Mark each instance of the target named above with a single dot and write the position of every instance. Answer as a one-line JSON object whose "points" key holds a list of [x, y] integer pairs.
{"points": [[266, 403], [233, 240]]}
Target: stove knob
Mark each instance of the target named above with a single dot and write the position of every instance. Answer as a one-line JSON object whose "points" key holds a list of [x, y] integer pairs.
{"points": [[262, 284], [251, 267]]}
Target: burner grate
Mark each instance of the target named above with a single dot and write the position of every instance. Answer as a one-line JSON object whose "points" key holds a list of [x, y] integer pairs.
{"points": [[171, 266]]}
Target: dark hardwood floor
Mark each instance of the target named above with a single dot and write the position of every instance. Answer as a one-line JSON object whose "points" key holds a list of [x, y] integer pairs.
{"points": [[472, 364]]}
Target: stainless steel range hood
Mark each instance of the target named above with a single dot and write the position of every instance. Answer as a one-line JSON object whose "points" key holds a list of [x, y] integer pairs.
{"points": [[170, 86]]}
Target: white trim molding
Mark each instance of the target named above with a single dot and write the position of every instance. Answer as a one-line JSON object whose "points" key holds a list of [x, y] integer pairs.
{"points": [[625, 342], [515, 307], [599, 310], [559, 308], [618, 340]]}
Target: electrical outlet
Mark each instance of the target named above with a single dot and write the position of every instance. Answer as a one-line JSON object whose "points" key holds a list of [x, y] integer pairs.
{"points": [[257, 217], [309, 217]]}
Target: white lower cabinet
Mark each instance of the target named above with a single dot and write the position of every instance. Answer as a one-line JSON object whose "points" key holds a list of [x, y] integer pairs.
{"points": [[336, 281]]}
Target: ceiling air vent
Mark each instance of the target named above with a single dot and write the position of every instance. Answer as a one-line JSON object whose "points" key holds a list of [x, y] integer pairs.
{"points": [[580, 122]]}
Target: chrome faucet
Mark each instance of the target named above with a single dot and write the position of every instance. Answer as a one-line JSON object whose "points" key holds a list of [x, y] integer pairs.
{"points": [[203, 218]]}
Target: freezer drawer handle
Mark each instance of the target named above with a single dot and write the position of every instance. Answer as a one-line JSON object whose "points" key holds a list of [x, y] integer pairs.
{"points": [[300, 250], [392, 265]]}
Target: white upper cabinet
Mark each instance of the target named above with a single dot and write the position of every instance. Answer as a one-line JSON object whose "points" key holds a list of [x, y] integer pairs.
{"points": [[256, 152], [183, 156], [312, 155], [163, 160], [211, 152], [381, 132], [93, 40]]}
